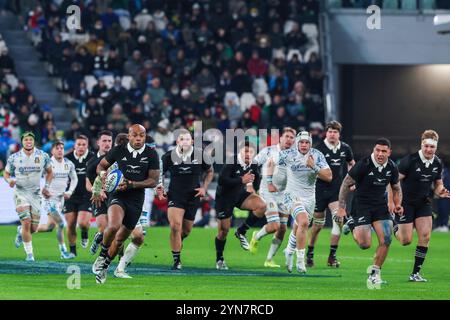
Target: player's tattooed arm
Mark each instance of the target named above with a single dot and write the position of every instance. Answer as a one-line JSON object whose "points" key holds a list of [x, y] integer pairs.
{"points": [[343, 196], [345, 190], [151, 181], [397, 197]]}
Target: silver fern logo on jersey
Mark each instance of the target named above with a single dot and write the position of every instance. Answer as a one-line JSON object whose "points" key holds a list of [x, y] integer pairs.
{"points": [[73, 21]]}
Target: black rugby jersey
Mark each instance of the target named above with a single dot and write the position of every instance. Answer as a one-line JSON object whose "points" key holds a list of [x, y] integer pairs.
{"points": [[371, 183], [81, 169], [91, 172], [134, 164], [230, 179], [185, 176], [418, 177], [338, 164]]}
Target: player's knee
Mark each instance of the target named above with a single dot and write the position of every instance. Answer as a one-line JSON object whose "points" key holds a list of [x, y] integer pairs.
{"points": [[260, 207], [222, 235], [364, 245], [424, 237], [304, 224], [185, 233], [114, 227], [387, 240], [175, 226], [84, 225]]}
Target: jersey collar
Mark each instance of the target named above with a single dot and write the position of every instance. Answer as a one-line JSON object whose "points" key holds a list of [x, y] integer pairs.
{"points": [[184, 156], [80, 159], [242, 162], [425, 161], [331, 147], [54, 159], [25, 155], [380, 167], [135, 152]]}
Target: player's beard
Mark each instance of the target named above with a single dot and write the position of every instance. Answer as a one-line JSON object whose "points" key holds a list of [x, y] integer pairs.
{"points": [[28, 150]]}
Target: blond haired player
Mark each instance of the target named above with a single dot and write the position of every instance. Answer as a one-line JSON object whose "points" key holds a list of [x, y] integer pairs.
{"points": [[420, 175]]}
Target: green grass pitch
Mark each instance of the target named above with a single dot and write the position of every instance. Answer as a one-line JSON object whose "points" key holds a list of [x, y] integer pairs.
{"points": [[247, 278]]}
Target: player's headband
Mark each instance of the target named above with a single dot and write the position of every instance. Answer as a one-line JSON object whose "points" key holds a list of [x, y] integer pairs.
{"points": [[430, 141], [27, 134], [304, 135]]}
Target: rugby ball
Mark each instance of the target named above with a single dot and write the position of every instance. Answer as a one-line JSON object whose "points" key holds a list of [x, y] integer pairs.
{"points": [[113, 179]]}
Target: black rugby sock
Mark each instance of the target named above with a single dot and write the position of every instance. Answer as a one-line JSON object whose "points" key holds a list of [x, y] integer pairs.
{"points": [[220, 246], [421, 253], [248, 223], [310, 252], [176, 256], [73, 249], [84, 234], [333, 250]]}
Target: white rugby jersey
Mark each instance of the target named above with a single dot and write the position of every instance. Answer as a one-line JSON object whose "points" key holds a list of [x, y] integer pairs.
{"points": [[279, 174], [28, 170], [62, 171], [301, 179]]}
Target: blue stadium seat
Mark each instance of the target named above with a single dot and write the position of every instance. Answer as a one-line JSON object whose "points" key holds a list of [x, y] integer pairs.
{"points": [[334, 3], [390, 4], [428, 4], [409, 5]]}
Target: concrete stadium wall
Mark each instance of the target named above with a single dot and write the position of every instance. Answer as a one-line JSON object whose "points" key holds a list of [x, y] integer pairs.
{"points": [[404, 38]]}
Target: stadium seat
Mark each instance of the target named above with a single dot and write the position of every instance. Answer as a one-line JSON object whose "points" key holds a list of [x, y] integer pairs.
{"points": [[259, 87], [109, 81], [288, 26], [247, 100], [267, 99], [310, 29], [409, 5], [313, 47], [90, 82], [12, 81], [292, 52], [231, 95], [278, 54], [334, 3], [390, 4], [126, 82], [428, 4]]}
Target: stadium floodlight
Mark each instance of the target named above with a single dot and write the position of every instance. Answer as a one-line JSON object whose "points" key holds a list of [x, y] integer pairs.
{"points": [[441, 19]]}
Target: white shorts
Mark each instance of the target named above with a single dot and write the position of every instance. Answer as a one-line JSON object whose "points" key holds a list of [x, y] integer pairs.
{"points": [[274, 202], [53, 206], [33, 200], [291, 201]]}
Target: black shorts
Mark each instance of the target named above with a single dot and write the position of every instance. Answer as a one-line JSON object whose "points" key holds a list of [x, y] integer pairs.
{"points": [[324, 198], [226, 204], [77, 205], [132, 206], [103, 209], [189, 204], [364, 214], [414, 210]]}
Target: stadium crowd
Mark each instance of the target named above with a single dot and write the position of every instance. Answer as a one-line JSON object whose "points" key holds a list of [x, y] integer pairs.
{"points": [[168, 63]]}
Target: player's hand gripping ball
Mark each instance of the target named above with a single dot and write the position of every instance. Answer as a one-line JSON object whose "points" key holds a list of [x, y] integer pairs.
{"points": [[113, 180]]}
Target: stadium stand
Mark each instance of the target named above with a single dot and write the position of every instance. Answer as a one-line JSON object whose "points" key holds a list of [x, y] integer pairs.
{"points": [[179, 60]]}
